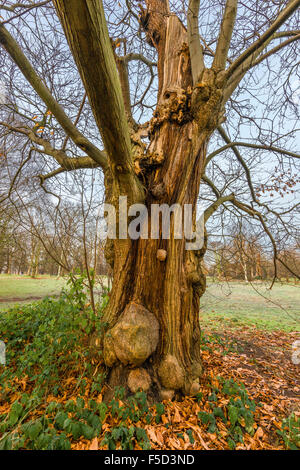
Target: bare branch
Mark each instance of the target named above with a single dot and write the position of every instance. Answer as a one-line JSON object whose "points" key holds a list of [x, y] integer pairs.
{"points": [[249, 145], [225, 35], [86, 31], [59, 156], [214, 207], [135, 56], [211, 185], [265, 38], [18, 172], [53, 173], [76, 120], [196, 50], [25, 6], [36, 82], [253, 213], [277, 48], [254, 60]]}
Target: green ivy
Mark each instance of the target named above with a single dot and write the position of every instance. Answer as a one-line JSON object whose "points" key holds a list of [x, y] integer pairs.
{"points": [[290, 432], [126, 437], [45, 340], [238, 413]]}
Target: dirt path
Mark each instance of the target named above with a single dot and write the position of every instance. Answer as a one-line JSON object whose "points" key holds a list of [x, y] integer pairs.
{"points": [[9, 300]]}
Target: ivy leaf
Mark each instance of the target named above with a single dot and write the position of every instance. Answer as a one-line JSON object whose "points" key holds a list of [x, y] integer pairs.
{"points": [[34, 430], [233, 414], [87, 431]]}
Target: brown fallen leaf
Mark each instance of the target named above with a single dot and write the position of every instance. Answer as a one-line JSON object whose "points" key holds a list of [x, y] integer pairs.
{"points": [[259, 433], [94, 444]]}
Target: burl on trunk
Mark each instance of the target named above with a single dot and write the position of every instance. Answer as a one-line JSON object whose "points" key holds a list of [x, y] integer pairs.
{"points": [[153, 339]]}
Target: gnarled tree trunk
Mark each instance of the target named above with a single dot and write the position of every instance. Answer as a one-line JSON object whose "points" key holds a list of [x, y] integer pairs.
{"points": [[153, 338]]}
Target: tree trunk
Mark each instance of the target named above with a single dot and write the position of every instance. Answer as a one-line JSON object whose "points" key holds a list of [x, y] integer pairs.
{"points": [[153, 313], [8, 261], [58, 275], [153, 337], [244, 267]]}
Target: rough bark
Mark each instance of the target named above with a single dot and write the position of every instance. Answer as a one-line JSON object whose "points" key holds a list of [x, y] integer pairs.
{"points": [[153, 315]]}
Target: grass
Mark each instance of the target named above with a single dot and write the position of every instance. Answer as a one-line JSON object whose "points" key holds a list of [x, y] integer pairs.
{"points": [[23, 289], [240, 304], [234, 303]]}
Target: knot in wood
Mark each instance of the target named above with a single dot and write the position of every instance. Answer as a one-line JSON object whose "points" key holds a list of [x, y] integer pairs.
{"points": [[161, 255]]}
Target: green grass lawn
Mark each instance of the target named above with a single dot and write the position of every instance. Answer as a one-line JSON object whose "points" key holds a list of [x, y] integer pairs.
{"points": [[236, 303], [23, 289]]}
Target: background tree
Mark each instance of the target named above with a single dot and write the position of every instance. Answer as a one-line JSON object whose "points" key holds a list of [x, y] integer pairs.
{"points": [[199, 76], [242, 256]]}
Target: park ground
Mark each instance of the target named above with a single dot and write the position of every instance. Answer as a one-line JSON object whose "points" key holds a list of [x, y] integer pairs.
{"points": [[23, 289], [231, 303], [248, 337]]}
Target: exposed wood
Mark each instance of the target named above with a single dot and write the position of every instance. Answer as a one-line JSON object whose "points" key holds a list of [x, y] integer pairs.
{"points": [[154, 24], [170, 286]]}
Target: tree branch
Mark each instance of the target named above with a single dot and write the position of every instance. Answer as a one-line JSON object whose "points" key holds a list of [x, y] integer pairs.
{"points": [[59, 156], [265, 38], [211, 185], [225, 35], [87, 34], [277, 48], [249, 145], [53, 173], [195, 47], [16, 176], [27, 6], [37, 84], [250, 211], [122, 66], [136, 56], [254, 60], [214, 207]]}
